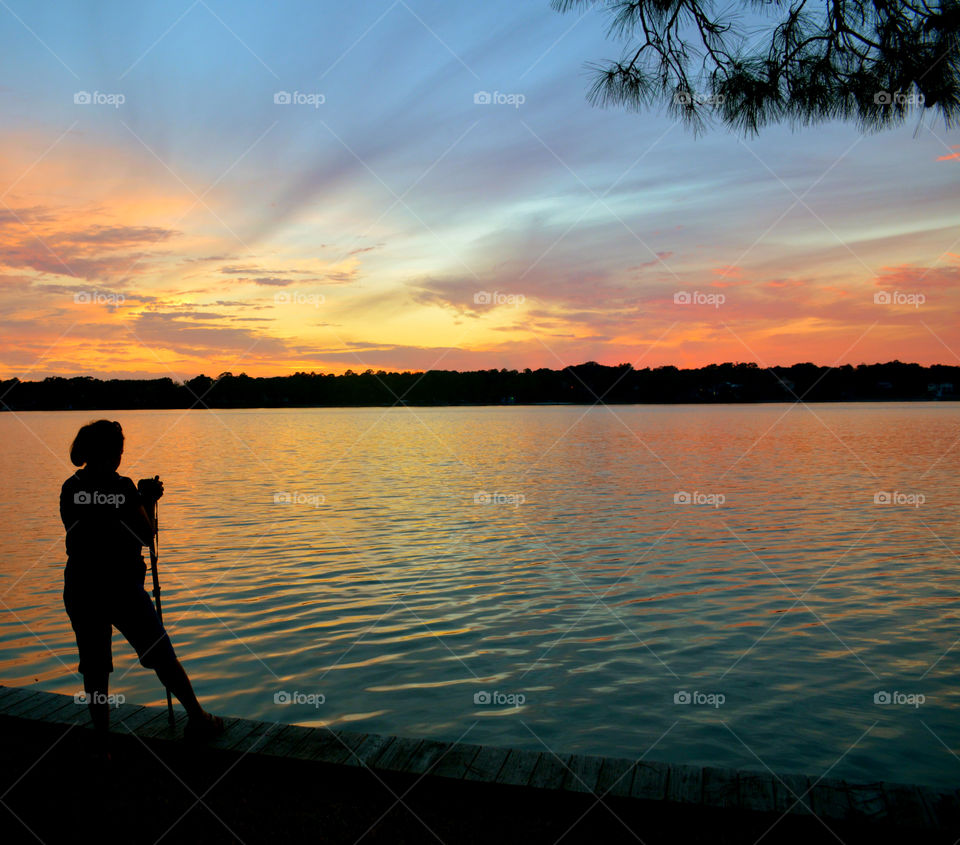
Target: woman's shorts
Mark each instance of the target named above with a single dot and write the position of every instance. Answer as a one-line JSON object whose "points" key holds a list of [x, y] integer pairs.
{"points": [[93, 615]]}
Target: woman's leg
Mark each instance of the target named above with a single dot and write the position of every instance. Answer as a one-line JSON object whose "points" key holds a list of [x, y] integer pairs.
{"points": [[174, 677], [136, 618], [91, 625], [96, 686]]}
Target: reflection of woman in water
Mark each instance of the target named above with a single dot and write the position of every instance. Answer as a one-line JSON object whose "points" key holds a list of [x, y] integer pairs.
{"points": [[108, 522]]}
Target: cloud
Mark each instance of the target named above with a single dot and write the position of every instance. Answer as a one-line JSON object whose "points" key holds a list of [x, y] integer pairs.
{"points": [[179, 332], [247, 270], [268, 281], [919, 278], [97, 253]]}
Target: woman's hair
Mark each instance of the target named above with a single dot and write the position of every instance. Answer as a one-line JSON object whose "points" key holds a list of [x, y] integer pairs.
{"points": [[98, 441]]}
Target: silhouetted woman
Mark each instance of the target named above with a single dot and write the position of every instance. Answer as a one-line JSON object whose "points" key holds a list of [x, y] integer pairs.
{"points": [[108, 522]]}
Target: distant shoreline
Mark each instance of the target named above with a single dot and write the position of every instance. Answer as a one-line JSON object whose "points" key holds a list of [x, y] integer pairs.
{"points": [[582, 384], [209, 407]]}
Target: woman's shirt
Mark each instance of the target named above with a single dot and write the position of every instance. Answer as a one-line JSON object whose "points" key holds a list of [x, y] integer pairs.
{"points": [[101, 514]]}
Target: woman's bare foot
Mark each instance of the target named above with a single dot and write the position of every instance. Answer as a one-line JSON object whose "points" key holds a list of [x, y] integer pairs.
{"points": [[202, 728]]}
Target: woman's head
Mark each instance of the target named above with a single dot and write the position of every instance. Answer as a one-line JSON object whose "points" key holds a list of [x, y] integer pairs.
{"points": [[98, 443]]}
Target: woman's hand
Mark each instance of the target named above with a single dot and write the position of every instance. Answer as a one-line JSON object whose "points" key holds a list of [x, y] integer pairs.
{"points": [[150, 489]]}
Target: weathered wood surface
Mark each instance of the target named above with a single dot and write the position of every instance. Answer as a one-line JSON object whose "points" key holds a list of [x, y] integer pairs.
{"points": [[831, 799], [22, 705], [791, 794], [582, 774], [486, 764], [286, 742], [323, 745], [395, 756], [721, 787], [616, 778], [456, 762], [892, 805], [337, 746], [650, 780], [550, 771], [868, 801], [428, 754], [907, 805], [518, 767], [757, 791], [685, 784], [256, 737], [369, 749]]}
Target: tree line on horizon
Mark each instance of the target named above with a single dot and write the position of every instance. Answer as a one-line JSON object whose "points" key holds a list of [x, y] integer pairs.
{"points": [[580, 384]]}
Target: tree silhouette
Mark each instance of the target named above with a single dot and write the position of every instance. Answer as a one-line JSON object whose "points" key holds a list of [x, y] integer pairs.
{"points": [[803, 61]]}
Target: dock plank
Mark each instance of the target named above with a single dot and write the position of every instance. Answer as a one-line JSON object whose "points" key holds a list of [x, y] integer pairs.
{"points": [[550, 771], [321, 744], [14, 697], [685, 784], [254, 740], [371, 748], [616, 777], [487, 764], [456, 762], [233, 730], [5, 691], [518, 767], [22, 705], [944, 807], [650, 780], [831, 799], [395, 756], [583, 773], [721, 787], [428, 753], [867, 801], [791, 794], [159, 727], [340, 748], [906, 806], [757, 791], [284, 743], [130, 722], [54, 704]]}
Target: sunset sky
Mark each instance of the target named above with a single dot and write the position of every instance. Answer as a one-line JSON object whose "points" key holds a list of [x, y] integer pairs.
{"points": [[201, 226]]}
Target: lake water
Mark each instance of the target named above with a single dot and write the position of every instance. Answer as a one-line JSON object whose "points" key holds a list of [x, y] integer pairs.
{"points": [[550, 577]]}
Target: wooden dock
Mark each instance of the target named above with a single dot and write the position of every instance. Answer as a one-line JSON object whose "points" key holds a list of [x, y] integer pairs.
{"points": [[893, 805]]}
